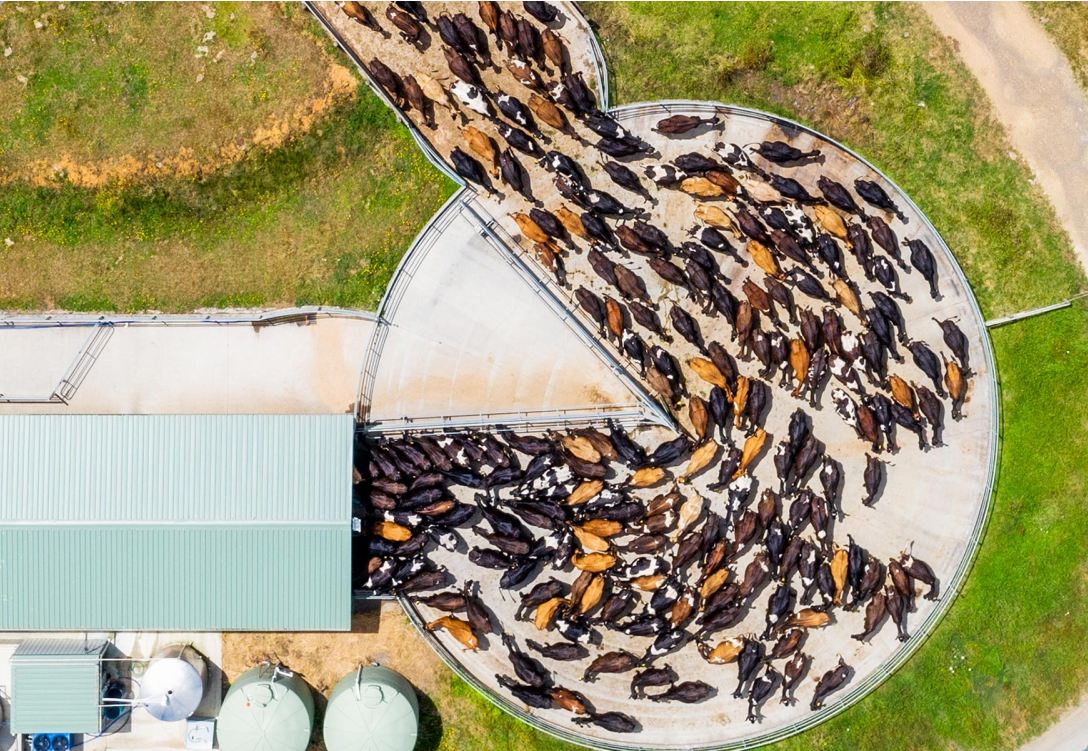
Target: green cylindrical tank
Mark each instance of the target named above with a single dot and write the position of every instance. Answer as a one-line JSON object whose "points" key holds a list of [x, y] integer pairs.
{"points": [[266, 709], [372, 709]]}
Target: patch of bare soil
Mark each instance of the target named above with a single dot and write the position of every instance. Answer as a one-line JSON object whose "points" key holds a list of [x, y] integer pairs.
{"points": [[840, 116], [384, 635], [341, 85]]}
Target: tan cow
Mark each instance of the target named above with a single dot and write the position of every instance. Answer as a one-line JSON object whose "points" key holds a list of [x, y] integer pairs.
{"points": [[571, 222], [531, 229], [482, 144], [701, 188], [549, 113], [764, 258], [830, 221], [799, 361]]}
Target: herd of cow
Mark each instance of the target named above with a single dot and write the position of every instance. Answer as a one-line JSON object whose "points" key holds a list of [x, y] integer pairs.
{"points": [[634, 550], [602, 539]]}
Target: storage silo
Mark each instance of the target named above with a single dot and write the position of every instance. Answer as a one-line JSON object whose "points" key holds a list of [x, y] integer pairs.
{"points": [[267, 708], [372, 709], [172, 687]]}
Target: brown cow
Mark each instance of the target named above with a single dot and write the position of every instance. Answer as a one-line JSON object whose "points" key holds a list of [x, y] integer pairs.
{"points": [[525, 74], [550, 114], [409, 28], [359, 13], [615, 316], [723, 180], [489, 14], [553, 49], [679, 124], [482, 144]]}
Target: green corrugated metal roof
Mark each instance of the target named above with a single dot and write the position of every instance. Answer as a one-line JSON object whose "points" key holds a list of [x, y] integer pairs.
{"points": [[70, 649], [56, 687], [167, 468], [237, 522]]}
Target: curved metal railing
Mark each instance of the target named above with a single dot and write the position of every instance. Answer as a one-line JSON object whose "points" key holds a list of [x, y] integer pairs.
{"points": [[425, 146], [394, 293], [951, 588], [600, 71], [600, 67], [218, 318]]}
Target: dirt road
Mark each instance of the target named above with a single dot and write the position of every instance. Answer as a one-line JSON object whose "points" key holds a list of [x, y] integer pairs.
{"points": [[1036, 98]]}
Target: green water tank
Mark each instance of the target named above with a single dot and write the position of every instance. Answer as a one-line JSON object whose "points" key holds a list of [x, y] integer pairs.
{"points": [[372, 709], [266, 709]]}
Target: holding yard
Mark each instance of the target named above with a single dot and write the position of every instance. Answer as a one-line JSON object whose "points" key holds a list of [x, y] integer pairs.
{"points": [[881, 79]]}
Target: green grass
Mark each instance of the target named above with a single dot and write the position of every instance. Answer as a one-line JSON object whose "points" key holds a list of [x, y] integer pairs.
{"points": [[1067, 24], [860, 73], [321, 219], [106, 80], [462, 720], [1014, 637]]}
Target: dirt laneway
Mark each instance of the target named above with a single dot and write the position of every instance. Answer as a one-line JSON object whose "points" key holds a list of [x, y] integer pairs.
{"points": [[1036, 98]]}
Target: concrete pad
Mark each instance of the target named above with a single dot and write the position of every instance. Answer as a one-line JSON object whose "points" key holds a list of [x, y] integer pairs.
{"points": [[469, 337], [177, 366]]}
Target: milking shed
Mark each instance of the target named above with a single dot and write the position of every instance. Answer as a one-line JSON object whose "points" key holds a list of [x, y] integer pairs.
{"points": [[175, 523]]}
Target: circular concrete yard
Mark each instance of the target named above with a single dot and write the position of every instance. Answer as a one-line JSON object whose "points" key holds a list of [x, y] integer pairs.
{"points": [[934, 502]]}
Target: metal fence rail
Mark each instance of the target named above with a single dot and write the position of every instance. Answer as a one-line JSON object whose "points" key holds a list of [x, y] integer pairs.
{"points": [[84, 361], [600, 67], [993, 323], [567, 311], [300, 314], [526, 421], [394, 294], [102, 327]]}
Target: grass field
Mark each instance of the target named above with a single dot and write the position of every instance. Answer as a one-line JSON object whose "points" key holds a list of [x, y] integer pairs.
{"points": [[1067, 24], [319, 214], [89, 83], [1011, 652]]}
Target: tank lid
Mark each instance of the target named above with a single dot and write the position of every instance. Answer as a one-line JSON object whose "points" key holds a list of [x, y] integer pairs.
{"points": [[267, 709], [372, 709], [172, 689]]}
